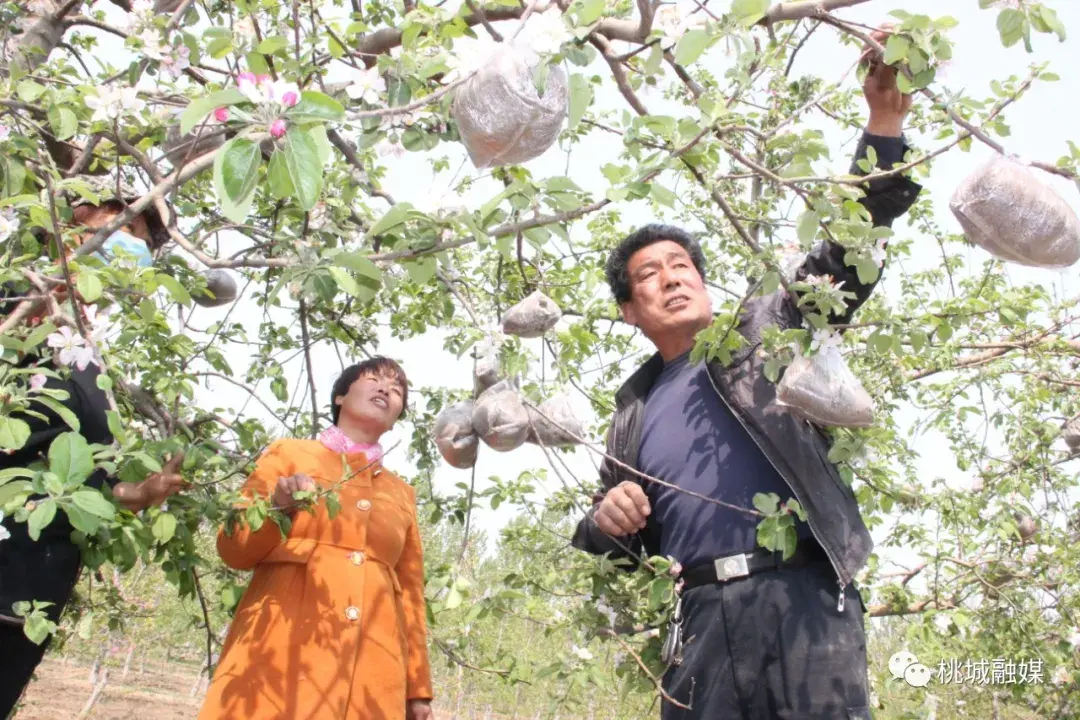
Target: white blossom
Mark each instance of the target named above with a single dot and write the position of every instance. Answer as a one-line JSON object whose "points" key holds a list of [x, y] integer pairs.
{"points": [[674, 22], [5, 133], [824, 282], [1061, 675], [4, 534], [385, 148], [264, 90], [825, 338], [976, 484], [8, 226], [469, 54], [607, 611], [244, 29], [73, 348], [177, 60], [367, 86], [37, 381], [878, 253], [111, 103], [151, 42], [582, 653], [546, 32]]}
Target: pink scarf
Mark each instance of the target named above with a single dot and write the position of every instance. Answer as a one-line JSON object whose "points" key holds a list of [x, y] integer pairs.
{"points": [[334, 439]]}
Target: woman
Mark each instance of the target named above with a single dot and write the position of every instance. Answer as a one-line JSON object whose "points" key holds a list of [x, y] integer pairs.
{"points": [[333, 624], [47, 569]]}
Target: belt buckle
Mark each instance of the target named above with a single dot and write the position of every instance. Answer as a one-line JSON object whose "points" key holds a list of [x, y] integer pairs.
{"points": [[731, 567]]}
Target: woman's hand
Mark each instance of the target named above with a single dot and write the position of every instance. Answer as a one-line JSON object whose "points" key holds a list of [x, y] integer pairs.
{"points": [[283, 493], [419, 710]]}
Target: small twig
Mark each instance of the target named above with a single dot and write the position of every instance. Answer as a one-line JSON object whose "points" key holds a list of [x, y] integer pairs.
{"points": [[479, 12]]}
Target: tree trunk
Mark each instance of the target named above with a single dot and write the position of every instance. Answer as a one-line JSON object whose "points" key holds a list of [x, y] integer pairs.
{"points": [[127, 660], [99, 687]]}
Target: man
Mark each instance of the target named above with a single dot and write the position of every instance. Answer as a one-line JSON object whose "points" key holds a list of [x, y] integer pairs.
{"points": [[47, 570], [761, 639]]}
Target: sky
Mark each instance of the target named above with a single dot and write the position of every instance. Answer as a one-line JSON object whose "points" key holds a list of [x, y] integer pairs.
{"points": [[1040, 123]]}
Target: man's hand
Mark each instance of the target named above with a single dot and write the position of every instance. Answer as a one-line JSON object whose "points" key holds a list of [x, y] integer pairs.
{"points": [[888, 106], [283, 493], [155, 489], [623, 510], [418, 710]]}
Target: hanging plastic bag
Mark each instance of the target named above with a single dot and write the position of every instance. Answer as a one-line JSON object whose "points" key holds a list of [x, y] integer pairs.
{"points": [[1009, 211], [220, 289], [487, 371], [555, 424], [1071, 433], [501, 118], [532, 317], [500, 418], [454, 435], [823, 390]]}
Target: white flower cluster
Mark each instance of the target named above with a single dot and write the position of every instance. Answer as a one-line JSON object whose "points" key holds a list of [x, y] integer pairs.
{"points": [[9, 225], [109, 103]]}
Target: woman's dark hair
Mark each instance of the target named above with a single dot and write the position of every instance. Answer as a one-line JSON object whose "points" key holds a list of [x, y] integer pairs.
{"points": [[618, 276], [377, 366]]}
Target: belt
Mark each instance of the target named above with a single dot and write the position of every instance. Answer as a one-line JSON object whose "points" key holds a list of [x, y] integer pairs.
{"points": [[743, 565]]}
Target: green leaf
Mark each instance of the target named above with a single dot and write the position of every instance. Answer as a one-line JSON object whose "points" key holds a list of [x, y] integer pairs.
{"points": [[29, 91], [164, 528], [359, 264], [272, 44], [394, 216], [691, 45], [63, 412], [40, 518], [398, 92], [316, 107], [422, 269], [749, 12], [1010, 25], [807, 226], [236, 172], [219, 48], [13, 433], [178, 292], [589, 11], [277, 174], [199, 108], [12, 490], [63, 122], [81, 520], [662, 195], [14, 177], [231, 595], [70, 458], [766, 503], [896, 49], [89, 285], [581, 96], [93, 502], [417, 139], [348, 283], [322, 143], [302, 160], [453, 598]]}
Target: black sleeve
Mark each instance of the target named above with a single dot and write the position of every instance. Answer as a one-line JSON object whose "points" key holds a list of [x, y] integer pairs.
{"points": [[886, 199]]}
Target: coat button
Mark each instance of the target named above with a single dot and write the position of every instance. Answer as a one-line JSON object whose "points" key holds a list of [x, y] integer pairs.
{"points": [[352, 613], [357, 558], [364, 504]]}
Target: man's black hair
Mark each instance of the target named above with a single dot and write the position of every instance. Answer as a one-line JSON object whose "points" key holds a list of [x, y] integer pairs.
{"points": [[617, 269], [377, 365]]}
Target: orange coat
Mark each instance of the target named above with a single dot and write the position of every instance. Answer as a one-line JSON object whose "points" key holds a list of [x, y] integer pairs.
{"points": [[333, 623]]}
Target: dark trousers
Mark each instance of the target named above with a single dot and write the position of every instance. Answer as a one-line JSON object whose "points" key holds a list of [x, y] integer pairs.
{"points": [[771, 646], [46, 571]]}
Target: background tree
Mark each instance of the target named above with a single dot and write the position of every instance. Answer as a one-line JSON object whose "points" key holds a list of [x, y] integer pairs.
{"points": [[282, 142]]}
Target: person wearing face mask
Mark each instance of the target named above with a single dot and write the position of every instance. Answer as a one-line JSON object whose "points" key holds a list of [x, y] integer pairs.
{"points": [[332, 625], [47, 570]]}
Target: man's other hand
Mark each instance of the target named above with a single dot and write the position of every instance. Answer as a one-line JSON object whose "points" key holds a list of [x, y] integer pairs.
{"points": [[623, 510]]}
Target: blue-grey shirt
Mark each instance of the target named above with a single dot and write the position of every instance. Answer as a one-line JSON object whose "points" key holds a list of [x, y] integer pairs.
{"points": [[691, 439]]}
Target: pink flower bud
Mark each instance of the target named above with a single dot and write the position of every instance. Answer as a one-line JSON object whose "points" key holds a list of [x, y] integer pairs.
{"points": [[289, 99], [38, 381], [277, 128], [675, 569], [246, 77], [263, 79], [221, 114]]}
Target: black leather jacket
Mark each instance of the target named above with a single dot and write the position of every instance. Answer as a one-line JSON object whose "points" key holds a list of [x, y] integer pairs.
{"points": [[797, 449]]}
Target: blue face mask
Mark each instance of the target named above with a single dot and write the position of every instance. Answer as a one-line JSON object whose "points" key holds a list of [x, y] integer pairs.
{"points": [[123, 245]]}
